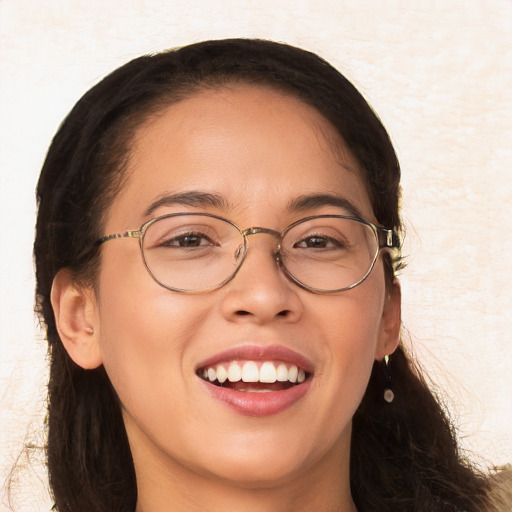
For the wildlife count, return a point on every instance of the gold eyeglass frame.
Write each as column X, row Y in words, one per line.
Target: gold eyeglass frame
column 387, row 239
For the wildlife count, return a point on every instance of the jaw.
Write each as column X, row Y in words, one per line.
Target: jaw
column 268, row 483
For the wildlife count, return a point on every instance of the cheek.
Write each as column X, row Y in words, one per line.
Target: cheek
column 350, row 327
column 351, row 321
column 144, row 330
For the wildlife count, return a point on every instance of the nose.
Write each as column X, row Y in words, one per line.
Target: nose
column 260, row 292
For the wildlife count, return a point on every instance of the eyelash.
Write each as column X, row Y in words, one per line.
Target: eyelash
column 192, row 234
column 336, row 243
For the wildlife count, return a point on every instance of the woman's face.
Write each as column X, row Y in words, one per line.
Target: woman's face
column 257, row 152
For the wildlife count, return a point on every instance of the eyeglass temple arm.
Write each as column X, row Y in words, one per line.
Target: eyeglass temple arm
column 388, row 239
column 129, row 233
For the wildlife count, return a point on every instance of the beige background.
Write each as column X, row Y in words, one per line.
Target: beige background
column 439, row 74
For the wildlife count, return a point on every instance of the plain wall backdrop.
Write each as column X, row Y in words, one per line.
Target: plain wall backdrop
column 438, row 73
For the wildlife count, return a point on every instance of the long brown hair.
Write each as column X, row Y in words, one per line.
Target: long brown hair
column 404, row 455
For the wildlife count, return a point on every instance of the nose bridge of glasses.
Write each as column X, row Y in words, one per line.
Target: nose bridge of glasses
column 266, row 231
column 257, row 230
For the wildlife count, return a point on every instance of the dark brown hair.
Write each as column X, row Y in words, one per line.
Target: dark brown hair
column 404, row 455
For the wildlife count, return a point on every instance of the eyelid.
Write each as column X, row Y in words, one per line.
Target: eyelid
column 160, row 236
column 318, row 231
column 334, row 241
column 177, row 238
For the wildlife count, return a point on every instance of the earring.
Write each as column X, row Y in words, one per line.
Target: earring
column 389, row 396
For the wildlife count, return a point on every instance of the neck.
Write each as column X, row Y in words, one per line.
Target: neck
column 218, row 496
column 163, row 487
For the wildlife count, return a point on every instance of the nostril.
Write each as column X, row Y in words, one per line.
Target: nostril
column 284, row 312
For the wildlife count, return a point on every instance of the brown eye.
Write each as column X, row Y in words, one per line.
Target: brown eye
column 318, row 242
column 188, row 240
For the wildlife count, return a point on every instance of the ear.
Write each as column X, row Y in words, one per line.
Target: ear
column 391, row 321
column 77, row 319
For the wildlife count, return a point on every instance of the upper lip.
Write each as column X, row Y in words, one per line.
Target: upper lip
column 259, row 353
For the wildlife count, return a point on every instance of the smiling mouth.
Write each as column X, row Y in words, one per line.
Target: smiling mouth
column 254, row 376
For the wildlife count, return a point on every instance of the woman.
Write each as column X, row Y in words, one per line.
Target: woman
column 243, row 352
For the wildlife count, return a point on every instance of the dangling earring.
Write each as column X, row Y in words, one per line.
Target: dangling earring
column 389, row 396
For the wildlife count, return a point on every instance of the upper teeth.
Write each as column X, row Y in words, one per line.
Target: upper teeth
column 267, row 372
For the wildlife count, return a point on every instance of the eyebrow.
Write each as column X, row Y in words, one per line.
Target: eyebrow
column 202, row 199
column 308, row 202
column 190, row 198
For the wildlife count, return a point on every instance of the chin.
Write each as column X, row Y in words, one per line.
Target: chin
column 267, row 474
column 271, row 459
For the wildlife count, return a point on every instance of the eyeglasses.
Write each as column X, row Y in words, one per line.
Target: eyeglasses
column 199, row 252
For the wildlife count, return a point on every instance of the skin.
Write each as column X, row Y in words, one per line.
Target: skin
column 259, row 150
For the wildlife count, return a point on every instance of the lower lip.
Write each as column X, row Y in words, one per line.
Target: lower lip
column 258, row 404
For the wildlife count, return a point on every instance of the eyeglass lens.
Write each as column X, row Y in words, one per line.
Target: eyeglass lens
column 201, row 252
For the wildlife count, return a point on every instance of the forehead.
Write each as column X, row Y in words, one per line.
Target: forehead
column 254, row 146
